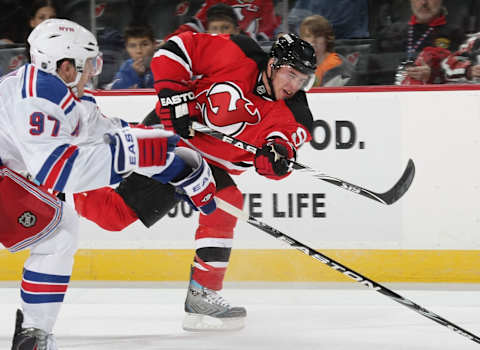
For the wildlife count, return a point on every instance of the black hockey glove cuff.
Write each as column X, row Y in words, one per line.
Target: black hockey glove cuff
column 176, row 110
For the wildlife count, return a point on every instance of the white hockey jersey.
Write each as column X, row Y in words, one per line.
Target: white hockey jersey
column 49, row 134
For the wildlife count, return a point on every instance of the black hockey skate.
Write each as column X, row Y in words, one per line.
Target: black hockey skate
column 31, row 338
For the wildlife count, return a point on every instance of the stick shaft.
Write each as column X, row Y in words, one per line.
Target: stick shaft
column 389, row 197
column 230, row 209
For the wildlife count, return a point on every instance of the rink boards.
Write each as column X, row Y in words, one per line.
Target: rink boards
column 364, row 136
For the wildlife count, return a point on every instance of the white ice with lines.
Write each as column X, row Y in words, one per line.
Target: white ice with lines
column 148, row 316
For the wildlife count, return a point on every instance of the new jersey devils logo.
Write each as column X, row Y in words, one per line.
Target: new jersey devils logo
column 225, row 108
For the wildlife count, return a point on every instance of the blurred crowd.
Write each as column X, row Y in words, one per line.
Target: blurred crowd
column 357, row 42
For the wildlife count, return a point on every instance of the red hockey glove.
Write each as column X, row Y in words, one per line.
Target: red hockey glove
column 176, row 110
column 271, row 160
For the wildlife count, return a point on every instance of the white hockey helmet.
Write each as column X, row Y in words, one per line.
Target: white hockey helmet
column 56, row 39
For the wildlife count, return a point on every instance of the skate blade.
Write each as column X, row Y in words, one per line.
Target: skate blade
column 204, row 323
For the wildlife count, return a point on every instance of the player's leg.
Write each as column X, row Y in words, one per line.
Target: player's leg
column 46, row 275
column 137, row 197
column 205, row 308
column 104, row 207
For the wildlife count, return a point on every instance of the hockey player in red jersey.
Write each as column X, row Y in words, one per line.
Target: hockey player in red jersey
column 244, row 93
column 255, row 17
column 51, row 133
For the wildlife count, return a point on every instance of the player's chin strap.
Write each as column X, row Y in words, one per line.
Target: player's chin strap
column 270, row 81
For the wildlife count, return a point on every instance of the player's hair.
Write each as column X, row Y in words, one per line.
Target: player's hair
column 222, row 12
column 139, row 31
column 318, row 26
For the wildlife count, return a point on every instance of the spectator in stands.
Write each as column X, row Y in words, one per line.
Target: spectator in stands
column 221, row 19
column 332, row 68
column 422, row 43
column 349, row 18
column 463, row 66
column 135, row 73
column 40, row 11
column 256, row 18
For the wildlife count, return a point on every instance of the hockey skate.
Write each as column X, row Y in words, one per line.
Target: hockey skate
column 206, row 310
column 31, row 338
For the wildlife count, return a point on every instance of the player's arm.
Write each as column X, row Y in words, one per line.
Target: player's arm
column 150, row 198
column 57, row 159
column 98, row 124
column 172, row 72
column 282, row 137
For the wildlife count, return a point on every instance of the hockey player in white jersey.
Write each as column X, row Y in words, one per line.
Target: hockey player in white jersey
column 52, row 141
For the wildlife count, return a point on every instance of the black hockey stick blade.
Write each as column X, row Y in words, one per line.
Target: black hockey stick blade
column 357, row 277
column 389, row 197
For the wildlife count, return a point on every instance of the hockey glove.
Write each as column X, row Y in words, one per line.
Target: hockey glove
column 271, row 160
column 140, row 149
column 195, row 183
column 175, row 111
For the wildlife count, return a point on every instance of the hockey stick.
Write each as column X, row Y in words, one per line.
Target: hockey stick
column 230, row 209
column 388, row 197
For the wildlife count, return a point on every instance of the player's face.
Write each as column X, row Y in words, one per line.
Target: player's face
column 85, row 77
column 221, row 27
column 287, row 81
column 93, row 67
column 426, row 10
column 140, row 48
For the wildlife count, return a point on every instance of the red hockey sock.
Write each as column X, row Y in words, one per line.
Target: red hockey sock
column 213, row 241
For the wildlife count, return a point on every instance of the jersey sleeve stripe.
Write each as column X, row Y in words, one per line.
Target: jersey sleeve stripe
column 279, row 134
column 24, row 90
column 64, row 104
column 88, row 98
column 61, row 171
column 175, row 58
column 28, row 81
column 56, row 169
column 31, row 81
column 182, row 48
column 70, row 108
column 67, row 103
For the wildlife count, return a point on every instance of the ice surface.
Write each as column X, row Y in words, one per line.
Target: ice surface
column 134, row 316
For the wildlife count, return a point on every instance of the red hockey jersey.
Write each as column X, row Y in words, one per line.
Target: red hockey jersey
column 224, row 73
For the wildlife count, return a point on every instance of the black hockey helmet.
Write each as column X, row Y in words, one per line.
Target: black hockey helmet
column 290, row 50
